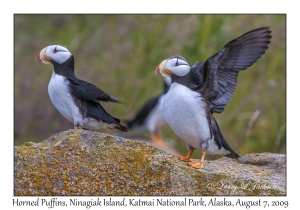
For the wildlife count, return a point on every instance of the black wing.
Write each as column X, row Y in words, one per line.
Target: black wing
column 219, row 139
column 88, row 92
column 95, row 110
column 143, row 113
column 218, row 74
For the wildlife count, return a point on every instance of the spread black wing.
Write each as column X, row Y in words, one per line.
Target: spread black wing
column 217, row 76
column 88, row 92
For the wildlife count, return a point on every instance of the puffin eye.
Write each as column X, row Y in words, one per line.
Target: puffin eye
column 55, row 50
column 176, row 64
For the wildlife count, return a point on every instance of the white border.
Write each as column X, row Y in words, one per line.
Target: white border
column 217, row 6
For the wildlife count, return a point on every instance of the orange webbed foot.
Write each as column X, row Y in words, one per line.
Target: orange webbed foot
column 200, row 163
column 160, row 142
column 156, row 138
column 196, row 165
column 185, row 159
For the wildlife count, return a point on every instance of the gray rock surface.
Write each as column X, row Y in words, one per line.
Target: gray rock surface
column 81, row 162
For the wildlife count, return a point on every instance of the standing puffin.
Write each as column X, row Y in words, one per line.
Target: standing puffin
column 205, row 88
column 75, row 99
column 151, row 117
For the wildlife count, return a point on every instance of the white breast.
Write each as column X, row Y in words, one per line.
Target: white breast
column 156, row 117
column 61, row 98
column 184, row 111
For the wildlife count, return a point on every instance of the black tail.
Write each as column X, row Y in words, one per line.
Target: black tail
column 95, row 110
column 114, row 99
column 232, row 153
column 220, row 139
column 121, row 127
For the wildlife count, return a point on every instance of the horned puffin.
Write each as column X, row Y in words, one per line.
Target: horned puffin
column 205, row 88
column 75, row 99
column 150, row 117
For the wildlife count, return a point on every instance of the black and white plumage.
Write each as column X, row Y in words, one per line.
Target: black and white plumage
column 75, row 99
column 150, row 117
column 205, row 88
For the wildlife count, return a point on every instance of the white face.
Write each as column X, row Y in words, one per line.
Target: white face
column 174, row 65
column 57, row 53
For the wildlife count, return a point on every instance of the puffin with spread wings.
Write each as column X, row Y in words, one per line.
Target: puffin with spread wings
column 205, row 88
column 76, row 99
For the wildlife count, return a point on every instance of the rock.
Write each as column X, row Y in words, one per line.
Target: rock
column 81, row 162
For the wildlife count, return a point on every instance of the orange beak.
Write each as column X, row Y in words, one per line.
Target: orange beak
column 37, row 58
column 41, row 57
column 157, row 70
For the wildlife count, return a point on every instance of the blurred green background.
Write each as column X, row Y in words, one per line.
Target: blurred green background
column 119, row 54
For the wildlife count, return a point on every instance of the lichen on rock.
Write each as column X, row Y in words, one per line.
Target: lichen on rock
column 81, row 162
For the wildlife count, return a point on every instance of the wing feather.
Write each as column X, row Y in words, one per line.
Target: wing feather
column 88, row 92
column 219, row 73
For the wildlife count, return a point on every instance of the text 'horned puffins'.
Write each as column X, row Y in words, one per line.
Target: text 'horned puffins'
column 151, row 117
column 75, row 99
column 205, row 88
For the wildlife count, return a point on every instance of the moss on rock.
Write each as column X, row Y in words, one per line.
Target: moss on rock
column 81, row 162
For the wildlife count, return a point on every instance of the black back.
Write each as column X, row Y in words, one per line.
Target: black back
column 87, row 96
